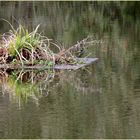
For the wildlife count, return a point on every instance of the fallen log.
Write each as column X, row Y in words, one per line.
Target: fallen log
column 81, row 62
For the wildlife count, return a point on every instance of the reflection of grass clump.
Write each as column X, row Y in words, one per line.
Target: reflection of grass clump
column 22, row 91
column 25, row 85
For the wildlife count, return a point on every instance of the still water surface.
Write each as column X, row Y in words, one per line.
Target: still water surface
column 100, row 101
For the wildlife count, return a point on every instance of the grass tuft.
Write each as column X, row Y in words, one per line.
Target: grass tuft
column 25, row 46
column 19, row 46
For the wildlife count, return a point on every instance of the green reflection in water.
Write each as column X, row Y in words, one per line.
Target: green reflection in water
column 24, row 84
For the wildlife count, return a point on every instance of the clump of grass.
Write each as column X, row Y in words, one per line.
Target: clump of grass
column 19, row 46
column 25, row 46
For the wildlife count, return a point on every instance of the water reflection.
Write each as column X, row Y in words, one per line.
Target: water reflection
column 24, row 84
column 26, row 93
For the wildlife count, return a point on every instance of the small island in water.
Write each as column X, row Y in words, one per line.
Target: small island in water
column 20, row 48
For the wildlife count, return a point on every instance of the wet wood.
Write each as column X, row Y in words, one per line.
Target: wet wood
column 81, row 62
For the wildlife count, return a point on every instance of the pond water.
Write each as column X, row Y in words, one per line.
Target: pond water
column 99, row 101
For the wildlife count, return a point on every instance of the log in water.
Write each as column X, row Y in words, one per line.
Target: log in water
column 81, row 62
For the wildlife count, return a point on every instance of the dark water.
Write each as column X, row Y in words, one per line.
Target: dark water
column 101, row 101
